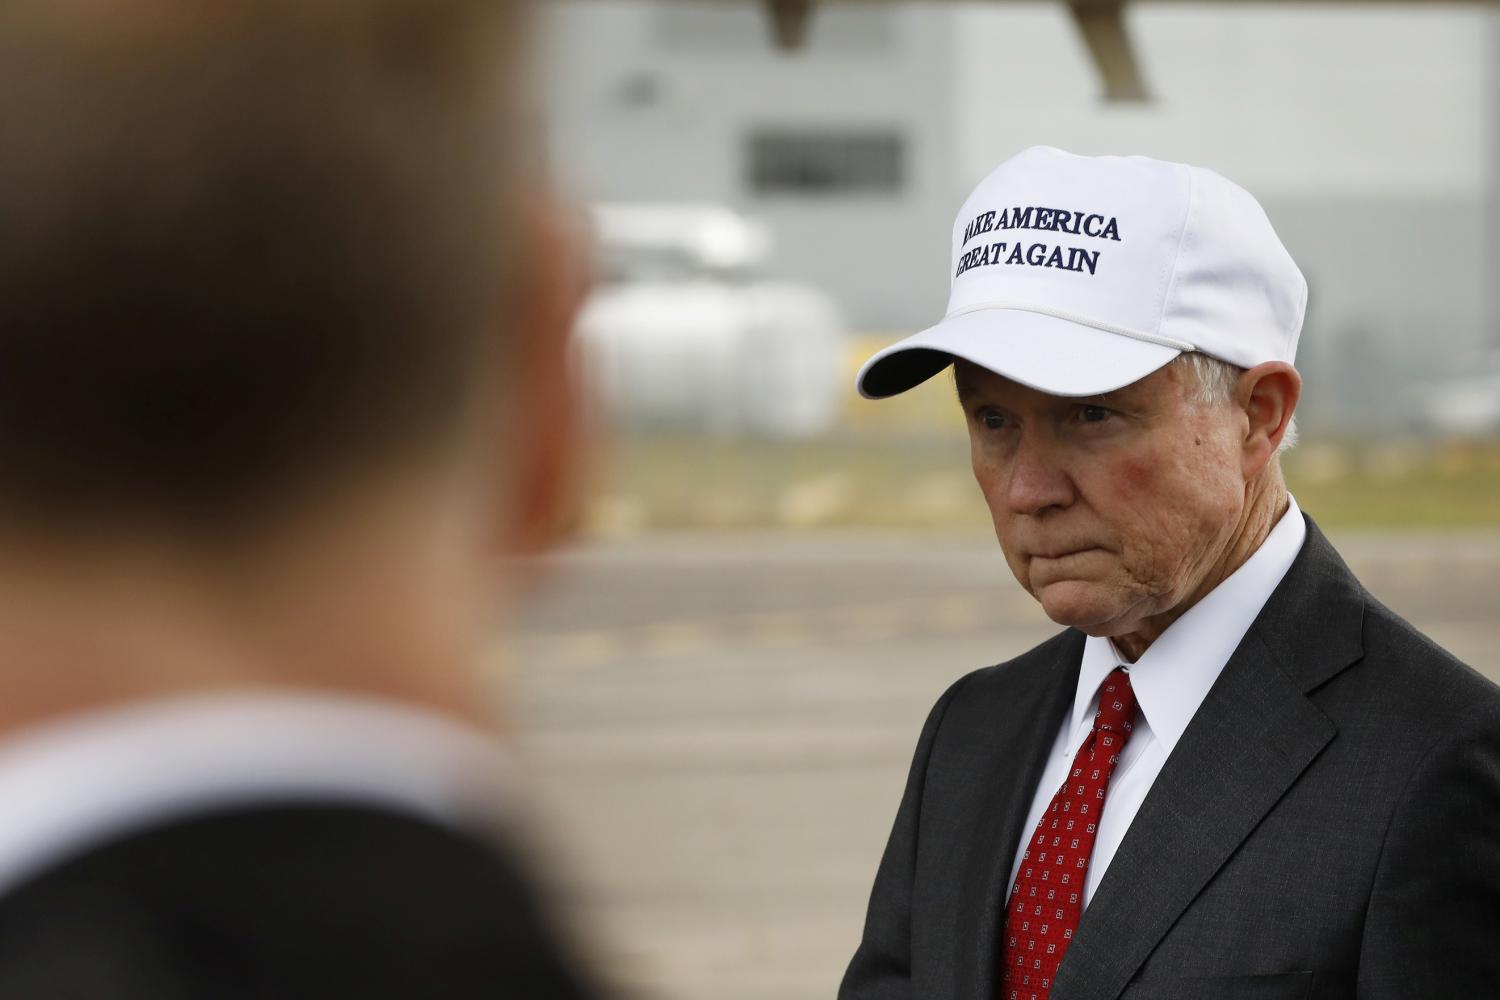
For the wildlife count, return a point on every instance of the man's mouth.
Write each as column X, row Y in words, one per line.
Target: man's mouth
column 1064, row 553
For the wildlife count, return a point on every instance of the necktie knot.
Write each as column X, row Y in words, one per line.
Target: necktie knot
column 1116, row 704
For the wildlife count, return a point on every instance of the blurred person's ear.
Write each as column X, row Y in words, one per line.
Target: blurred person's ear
column 548, row 432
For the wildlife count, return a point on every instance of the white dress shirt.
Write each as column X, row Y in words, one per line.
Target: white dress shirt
column 74, row 784
column 1170, row 681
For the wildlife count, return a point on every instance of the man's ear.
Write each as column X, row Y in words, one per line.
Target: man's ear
column 1268, row 393
column 547, row 434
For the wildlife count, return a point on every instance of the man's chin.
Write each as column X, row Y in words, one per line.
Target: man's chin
column 1081, row 605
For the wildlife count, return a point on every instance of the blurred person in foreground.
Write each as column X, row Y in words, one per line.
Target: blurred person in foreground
column 1234, row 774
column 282, row 384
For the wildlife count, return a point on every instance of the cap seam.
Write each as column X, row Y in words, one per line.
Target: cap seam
column 1072, row 317
column 1187, row 216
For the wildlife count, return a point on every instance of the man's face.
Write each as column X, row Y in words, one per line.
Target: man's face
column 1114, row 509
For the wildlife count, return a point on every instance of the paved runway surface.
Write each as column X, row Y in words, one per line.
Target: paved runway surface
column 718, row 729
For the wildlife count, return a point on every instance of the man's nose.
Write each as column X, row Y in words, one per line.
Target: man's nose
column 1038, row 478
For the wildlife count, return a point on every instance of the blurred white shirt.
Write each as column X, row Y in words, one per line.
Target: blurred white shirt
column 77, row 783
column 1170, row 681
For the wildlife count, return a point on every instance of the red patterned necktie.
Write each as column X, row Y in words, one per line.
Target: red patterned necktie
column 1047, row 899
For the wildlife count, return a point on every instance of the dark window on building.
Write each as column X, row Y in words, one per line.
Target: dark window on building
column 782, row 162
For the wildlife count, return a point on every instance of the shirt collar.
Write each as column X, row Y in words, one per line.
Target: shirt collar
column 71, row 784
column 1173, row 676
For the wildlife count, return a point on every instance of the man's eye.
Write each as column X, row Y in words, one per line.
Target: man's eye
column 1093, row 414
column 992, row 420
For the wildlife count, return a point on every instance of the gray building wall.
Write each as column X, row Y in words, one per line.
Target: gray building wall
column 1369, row 134
column 1492, row 188
column 655, row 101
column 1397, row 296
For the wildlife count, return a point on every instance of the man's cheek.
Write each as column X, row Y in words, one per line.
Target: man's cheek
column 1135, row 478
column 1019, row 565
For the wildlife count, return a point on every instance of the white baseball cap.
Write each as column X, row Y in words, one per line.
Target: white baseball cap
column 1076, row 275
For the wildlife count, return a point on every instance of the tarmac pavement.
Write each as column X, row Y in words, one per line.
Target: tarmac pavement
column 717, row 729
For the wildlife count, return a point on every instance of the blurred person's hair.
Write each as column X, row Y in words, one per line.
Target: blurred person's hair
column 246, row 248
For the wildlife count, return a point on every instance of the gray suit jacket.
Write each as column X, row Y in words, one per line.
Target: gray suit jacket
column 1328, row 825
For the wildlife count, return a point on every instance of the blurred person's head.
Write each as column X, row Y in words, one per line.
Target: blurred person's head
column 283, row 379
column 1122, row 331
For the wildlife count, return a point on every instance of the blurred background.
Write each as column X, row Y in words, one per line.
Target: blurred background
column 721, row 681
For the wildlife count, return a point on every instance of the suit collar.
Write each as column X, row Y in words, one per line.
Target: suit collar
column 1313, row 625
column 1008, row 766
column 1253, row 736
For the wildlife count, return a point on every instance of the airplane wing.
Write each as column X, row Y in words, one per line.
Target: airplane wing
column 1101, row 24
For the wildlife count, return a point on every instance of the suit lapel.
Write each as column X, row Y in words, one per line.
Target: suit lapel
column 1011, row 759
column 1250, row 740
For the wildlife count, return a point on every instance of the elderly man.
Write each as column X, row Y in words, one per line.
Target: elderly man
column 283, row 387
column 1234, row 774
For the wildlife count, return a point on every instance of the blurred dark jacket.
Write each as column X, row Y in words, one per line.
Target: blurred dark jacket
column 214, row 850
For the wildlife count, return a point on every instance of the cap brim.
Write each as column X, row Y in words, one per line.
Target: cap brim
column 1049, row 354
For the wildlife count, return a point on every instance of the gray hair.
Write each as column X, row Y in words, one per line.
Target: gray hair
column 1215, row 386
